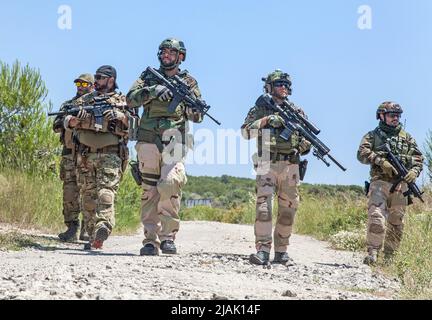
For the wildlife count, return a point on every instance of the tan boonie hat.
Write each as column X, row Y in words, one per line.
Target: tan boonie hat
column 87, row 77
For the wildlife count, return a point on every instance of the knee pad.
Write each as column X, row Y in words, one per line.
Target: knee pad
column 106, row 197
column 264, row 209
column 286, row 216
column 376, row 228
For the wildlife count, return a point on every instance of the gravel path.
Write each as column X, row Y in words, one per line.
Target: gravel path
column 212, row 264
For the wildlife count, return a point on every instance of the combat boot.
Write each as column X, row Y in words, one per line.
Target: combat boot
column 283, row 258
column 371, row 258
column 83, row 233
column 260, row 258
column 101, row 235
column 71, row 234
column 149, row 250
column 168, row 247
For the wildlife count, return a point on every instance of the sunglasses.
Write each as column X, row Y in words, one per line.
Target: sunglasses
column 82, row 84
column 282, row 84
column 394, row 115
column 99, row 77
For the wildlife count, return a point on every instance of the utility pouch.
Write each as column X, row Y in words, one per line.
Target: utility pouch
column 302, row 169
column 136, row 174
column 133, row 127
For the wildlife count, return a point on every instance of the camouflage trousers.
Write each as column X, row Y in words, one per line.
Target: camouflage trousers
column 71, row 192
column 99, row 176
column 161, row 197
column 385, row 215
column 283, row 180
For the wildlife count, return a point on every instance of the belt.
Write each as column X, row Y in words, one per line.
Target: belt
column 109, row 149
column 293, row 158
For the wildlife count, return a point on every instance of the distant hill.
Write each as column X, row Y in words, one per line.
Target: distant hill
column 229, row 192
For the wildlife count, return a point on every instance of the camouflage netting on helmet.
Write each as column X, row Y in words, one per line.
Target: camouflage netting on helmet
column 277, row 75
column 388, row 107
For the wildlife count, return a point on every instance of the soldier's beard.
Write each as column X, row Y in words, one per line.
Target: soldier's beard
column 169, row 65
column 282, row 96
column 102, row 88
column 80, row 93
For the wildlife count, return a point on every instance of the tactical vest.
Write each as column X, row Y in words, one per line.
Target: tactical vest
column 156, row 118
column 277, row 144
column 111, row 133
column 399, row 145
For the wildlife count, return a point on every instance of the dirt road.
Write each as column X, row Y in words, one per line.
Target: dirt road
column 212, row 263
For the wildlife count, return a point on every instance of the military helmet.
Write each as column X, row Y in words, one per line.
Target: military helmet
column 277, row 75
column 172, row 43
column 388, row 107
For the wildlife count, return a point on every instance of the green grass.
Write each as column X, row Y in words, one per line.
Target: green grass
column 413, row 263
column 31, row 201
column 16, row 241
column 240, row 215
column 127, row 207
column 324, row 216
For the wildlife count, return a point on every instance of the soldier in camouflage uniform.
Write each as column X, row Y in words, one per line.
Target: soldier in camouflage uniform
column 101, row 155
column 282, row 176
column 162, row 181
column 71, row 197
column 386, row 210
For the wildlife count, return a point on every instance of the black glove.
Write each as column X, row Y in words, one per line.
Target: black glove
column 82, row 114
column 111, row 115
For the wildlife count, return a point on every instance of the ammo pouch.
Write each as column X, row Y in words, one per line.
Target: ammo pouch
column 136, row 174
column 302, row 169
column 276, row 156
column 133, row 127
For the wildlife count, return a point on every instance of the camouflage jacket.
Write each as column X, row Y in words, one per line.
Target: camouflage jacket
column 65, row 136
column 156, row 118
column 112, row 132
column 402, row 145
column 253, row 127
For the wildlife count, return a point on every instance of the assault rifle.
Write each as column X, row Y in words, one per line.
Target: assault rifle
column 182, row 92
column 97, row 109
column 294, row 121
column 402, row 171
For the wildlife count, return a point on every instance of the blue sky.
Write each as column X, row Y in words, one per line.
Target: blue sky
column 340, row 73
